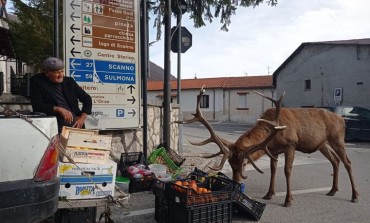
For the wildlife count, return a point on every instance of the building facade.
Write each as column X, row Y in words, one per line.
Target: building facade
column 226, row 98
column 326, row 74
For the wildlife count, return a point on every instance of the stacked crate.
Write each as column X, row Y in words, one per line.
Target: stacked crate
column 86, row 172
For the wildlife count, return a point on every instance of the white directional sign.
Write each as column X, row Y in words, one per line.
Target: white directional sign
column 101, row 55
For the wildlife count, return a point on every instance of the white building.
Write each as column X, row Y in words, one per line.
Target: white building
column 225, row 99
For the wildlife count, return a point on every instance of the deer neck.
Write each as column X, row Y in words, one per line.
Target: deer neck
column 254, row 137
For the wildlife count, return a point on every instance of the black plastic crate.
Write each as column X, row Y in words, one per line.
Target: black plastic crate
column 236, row 185
column 186, row 196
column 176, row 158
column 161, row 188
column 220, row 212
column 129, row 159
column 141, row 184
column 243, row 204
column 136, row 184
column 72, row 215
column 161, row 210
column 198, row 174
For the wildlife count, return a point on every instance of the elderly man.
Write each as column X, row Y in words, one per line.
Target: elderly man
column 54, row 94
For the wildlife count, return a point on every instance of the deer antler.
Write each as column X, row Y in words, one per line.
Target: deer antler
column 223, row 144
column 277, row 127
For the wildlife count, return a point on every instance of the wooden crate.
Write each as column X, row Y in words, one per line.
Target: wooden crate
column 86, row 147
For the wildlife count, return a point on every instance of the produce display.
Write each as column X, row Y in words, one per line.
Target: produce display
column 139, row 171
column 191, row 192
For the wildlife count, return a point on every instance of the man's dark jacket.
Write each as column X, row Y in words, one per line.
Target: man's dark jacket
column 43, row 96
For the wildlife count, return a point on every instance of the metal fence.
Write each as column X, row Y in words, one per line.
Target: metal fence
column 1, row 83
column 20, row 85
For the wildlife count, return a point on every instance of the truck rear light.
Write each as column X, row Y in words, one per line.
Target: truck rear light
column 47, row 168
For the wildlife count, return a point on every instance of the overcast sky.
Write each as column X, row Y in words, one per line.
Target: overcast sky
column 260, row 39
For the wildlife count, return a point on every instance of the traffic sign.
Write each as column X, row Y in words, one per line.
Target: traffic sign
column 102, row 55
column 186, row 39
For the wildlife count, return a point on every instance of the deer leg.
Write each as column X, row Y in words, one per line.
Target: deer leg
column 341, row 152
column 334, row 160
column 289, row 157
column 273, row 166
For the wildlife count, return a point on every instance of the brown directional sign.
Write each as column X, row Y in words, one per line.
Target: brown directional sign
column 114, row 34
column 101, row 54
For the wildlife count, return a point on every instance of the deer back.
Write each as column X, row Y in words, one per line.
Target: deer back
column 306, row 128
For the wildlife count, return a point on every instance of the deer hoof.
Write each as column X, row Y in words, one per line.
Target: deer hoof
column 268, row 196
column 354, row 200
column 287, row 204
column 331, row 192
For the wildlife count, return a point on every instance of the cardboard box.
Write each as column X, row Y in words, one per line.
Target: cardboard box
column 79, row 155
column 87, row 181
column 86, row 147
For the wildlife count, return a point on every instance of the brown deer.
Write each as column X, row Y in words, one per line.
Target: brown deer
column 282, row 130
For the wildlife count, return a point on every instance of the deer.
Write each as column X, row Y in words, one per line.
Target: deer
column 281, row 131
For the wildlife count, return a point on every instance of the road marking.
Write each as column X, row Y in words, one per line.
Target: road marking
column 305, row 191
column 264, row 162
column 140, row 212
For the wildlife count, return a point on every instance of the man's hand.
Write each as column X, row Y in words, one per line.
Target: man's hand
column 80, row 121
column 67, row 115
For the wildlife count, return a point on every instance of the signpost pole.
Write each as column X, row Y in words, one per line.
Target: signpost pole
column 56, row 29
column 167, row 73
column 144, row 71
column 179, row 16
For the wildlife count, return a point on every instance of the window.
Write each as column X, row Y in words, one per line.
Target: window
column 307, row 84
column 242, row 101
column 204, row 101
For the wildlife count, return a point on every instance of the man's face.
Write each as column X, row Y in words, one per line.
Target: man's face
column 55, row 76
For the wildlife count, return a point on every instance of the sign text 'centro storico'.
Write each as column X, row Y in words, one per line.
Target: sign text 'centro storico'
column 101, row 54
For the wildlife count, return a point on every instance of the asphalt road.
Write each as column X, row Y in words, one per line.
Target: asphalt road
column 311, row 180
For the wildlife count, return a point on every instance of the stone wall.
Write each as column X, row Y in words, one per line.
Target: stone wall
column 126, row 140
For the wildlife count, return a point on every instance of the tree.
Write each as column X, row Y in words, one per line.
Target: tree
column 205, row 10
column 32, row 33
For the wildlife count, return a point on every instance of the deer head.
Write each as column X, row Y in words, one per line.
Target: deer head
column 250, row 144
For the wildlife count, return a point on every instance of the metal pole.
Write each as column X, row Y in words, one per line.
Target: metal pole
column 167, row 73
column 56, row 29
column 179, row 15
column 144, row 71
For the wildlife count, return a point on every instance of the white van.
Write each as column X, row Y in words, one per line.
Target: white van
column 29, row 188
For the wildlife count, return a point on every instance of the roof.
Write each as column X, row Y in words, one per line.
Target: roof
column 250, row 82
column 351, row 42
column 157, row 72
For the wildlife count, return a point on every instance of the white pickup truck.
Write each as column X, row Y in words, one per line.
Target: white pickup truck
column 29, row 187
